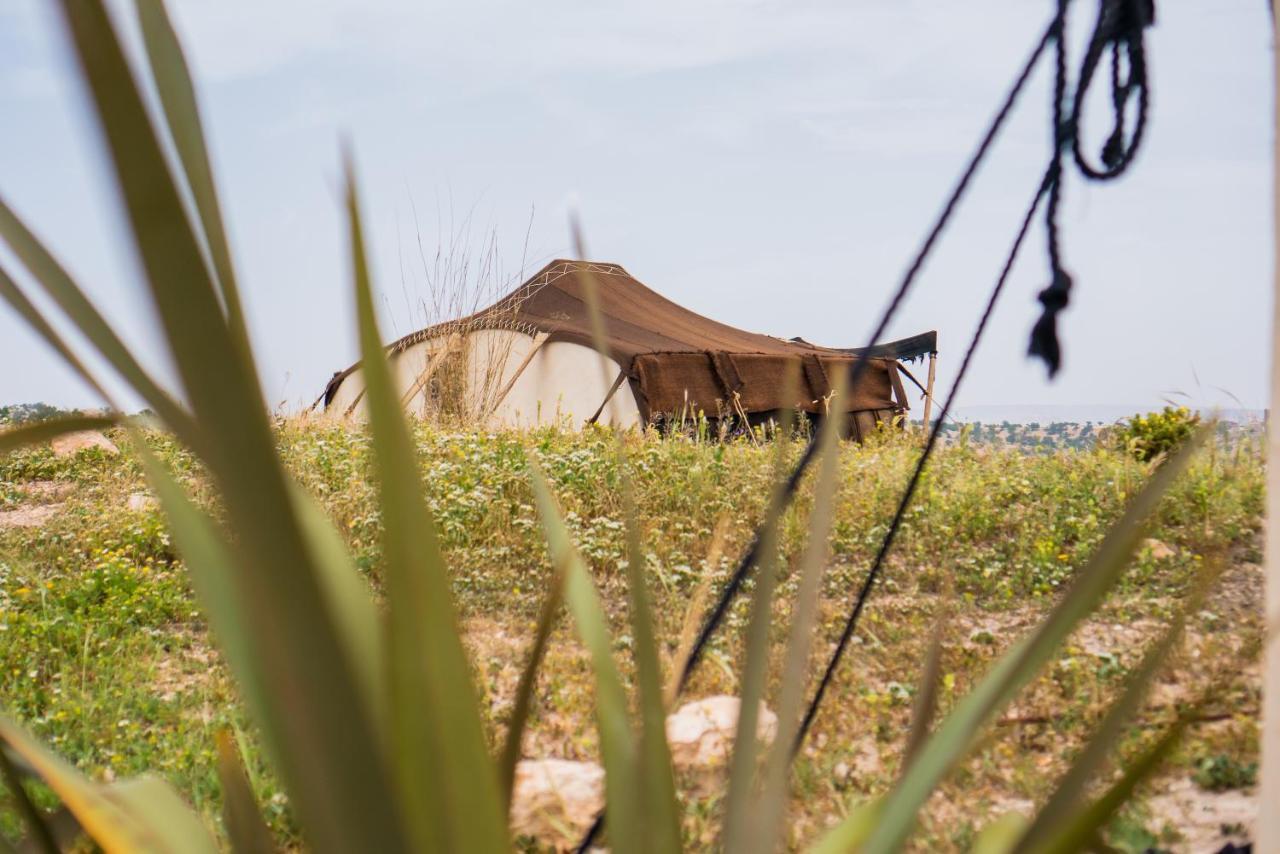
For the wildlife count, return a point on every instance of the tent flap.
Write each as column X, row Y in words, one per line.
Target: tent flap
column 673, row 381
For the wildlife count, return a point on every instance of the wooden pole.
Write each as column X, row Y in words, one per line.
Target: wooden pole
column 608, row 396
column 434, row 361
column 928, row 391
column 538, row 341
column 1268, row 829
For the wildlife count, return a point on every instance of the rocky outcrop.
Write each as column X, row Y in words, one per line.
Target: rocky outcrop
column 71, row 444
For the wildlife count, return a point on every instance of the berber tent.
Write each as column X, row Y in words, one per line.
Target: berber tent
column 529, row 360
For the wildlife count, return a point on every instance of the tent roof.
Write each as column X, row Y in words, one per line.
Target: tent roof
column 637, row 319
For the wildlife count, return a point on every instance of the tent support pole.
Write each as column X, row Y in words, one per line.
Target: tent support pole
column 433, row 364
column 1268, row 829
column 613, row 389
column 928, row 391
column 538, row 341
column 354, row 404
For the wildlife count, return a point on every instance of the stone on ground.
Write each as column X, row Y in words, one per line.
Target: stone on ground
column 1157, row 549
column 28, row 517
column 701, row 732
column 73, row 443
column 556, row 800
column 140, row 502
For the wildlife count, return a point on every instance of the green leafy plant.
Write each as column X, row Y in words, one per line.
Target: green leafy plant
column 369, row 715
column 1222, row 772
column 1156, row 434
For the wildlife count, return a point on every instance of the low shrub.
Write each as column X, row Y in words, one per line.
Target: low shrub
column 1156, row 434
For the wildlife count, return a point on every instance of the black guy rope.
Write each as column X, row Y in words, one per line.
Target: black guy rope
column 895, row 524
column 1117, row 155
column 751, row 555
column 784, row 496
column 1120, row 27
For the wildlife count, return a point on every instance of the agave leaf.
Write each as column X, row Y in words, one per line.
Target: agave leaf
column 926, row 705
column 139, row 815
column 317, row 728
column 695, row 611
column 181, row 284
column 182, row 114
column 211, row 567
column 1001, row 835
column 657, row 778
column 524, row 689
column 63, row 826
column 447, row 781
column 245, row 826
column 771, row 805
column 1063, row 803
column 740, row 820
column 40, row 834
column 348, row 596
column 170, row 823
column 52, row 428
column 58, row 284
column 617, row 742
column 13, row 295
column 269, row 692
column 953, row 738
column 1076, row 834
column 854, row 830
column 656, row 783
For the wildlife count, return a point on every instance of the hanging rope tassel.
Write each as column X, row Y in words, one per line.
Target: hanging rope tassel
column 1044, row 335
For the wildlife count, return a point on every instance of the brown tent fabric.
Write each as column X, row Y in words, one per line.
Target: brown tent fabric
column 673, row 357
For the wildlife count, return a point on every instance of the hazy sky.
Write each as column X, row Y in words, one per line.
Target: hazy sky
column 770, row 164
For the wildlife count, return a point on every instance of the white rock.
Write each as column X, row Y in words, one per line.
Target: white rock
column 556, row 800
column 28, row 517
column 72, row 443
column 1158, row 550
column 701, row 733
column 140, row 502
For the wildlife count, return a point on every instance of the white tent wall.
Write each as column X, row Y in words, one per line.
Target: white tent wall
column 562, row 382
column 556, row 383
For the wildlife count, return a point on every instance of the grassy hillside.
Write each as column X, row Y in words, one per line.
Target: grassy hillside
column 104, row 655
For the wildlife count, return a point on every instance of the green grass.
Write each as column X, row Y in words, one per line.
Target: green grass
column 104, row 655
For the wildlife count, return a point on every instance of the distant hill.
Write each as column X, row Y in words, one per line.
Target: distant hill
column 22, row 413
column 1049, row 436
column 1082, row 413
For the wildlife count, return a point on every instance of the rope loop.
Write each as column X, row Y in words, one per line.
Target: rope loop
column 1119, row 30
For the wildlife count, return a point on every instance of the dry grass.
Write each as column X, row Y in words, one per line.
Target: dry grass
column 451, row 292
